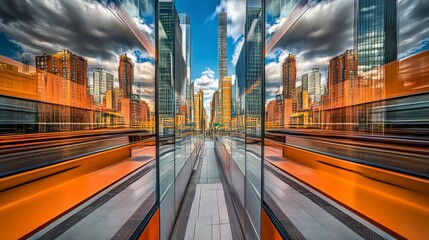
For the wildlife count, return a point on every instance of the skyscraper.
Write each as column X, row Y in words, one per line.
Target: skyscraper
column 289, row 76
column 68, row 66
column 222, row 56
column 226, row 103
column 64, row 64
column 198, row 110
column 376, row 33
column 126, row 75
column 342, row 73
column 222, row 47
column 214, row 106
column 253, row 69
column 311, row 83
column 185, row 26
column 172, row 67
column 102, row 82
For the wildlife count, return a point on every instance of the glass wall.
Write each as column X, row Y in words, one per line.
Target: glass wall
column 78, row 78
column 180, row 138
column 350, row 70
column 238, row 137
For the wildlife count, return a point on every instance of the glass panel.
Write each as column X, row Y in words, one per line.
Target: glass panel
column 78, row 78
column 341, row 77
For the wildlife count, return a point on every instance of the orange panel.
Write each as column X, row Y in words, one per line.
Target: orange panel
column 396, row 202
column 152, row 229
column 268, row 231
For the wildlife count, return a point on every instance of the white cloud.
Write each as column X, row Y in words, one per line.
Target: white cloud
column 209, row 84
column 271, row 29
column 238, row 47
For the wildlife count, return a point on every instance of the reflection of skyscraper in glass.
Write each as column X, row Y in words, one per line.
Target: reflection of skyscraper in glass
column 103, row 81
column 185, row 26
column 126, row 75
column 71, row 67
column 253, row 69
column 289, row 76
column 342, row 74
column 376, row 32
column 311, row 83
column 172, row 67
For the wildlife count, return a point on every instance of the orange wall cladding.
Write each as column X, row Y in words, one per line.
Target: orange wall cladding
column 268, row 230
column 152, row 229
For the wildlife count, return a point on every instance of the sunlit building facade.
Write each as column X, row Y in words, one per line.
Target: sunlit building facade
column 226, row 103
column 126, row 75
column 289, row 76
column 102, row 82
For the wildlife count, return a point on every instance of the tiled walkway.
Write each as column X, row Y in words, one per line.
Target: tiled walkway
column 207, row 211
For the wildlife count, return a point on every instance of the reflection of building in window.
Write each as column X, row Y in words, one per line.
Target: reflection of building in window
column 126, row 75
column 102, row 83
column 376, row 33
column 70, row 66
column 311, row 82
column 289, row 76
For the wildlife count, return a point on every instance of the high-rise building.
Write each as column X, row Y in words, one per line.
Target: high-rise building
column 253, row 69
column 342, row 73
column 199, row 110
column 185, row 26
column 289, row 76
column 226, row 103
column 311, row 83
column 64, row 64
column 214, row 108
column 222, row 47
column 126, row 75
column 102, row 82
column 376, row 33
column 222, row 56
column 68, row 66
column 191, row 105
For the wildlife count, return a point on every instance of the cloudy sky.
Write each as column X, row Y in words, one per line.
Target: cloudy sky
column 327, row 29
column 91, row 30
column 88, row 29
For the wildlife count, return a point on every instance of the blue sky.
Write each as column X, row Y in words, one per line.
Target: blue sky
column 204, row 36
column 204, row 24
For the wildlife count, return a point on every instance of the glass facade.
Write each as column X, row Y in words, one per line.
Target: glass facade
column 318, row 119
column 336, row 70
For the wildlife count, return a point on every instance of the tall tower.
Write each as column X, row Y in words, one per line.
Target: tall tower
column 126, row 75
column 185, row 26
column 221, row 46
column 222, row 58
column 289, row 76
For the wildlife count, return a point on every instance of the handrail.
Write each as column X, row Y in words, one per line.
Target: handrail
column 20, row 158
column 408, row 156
